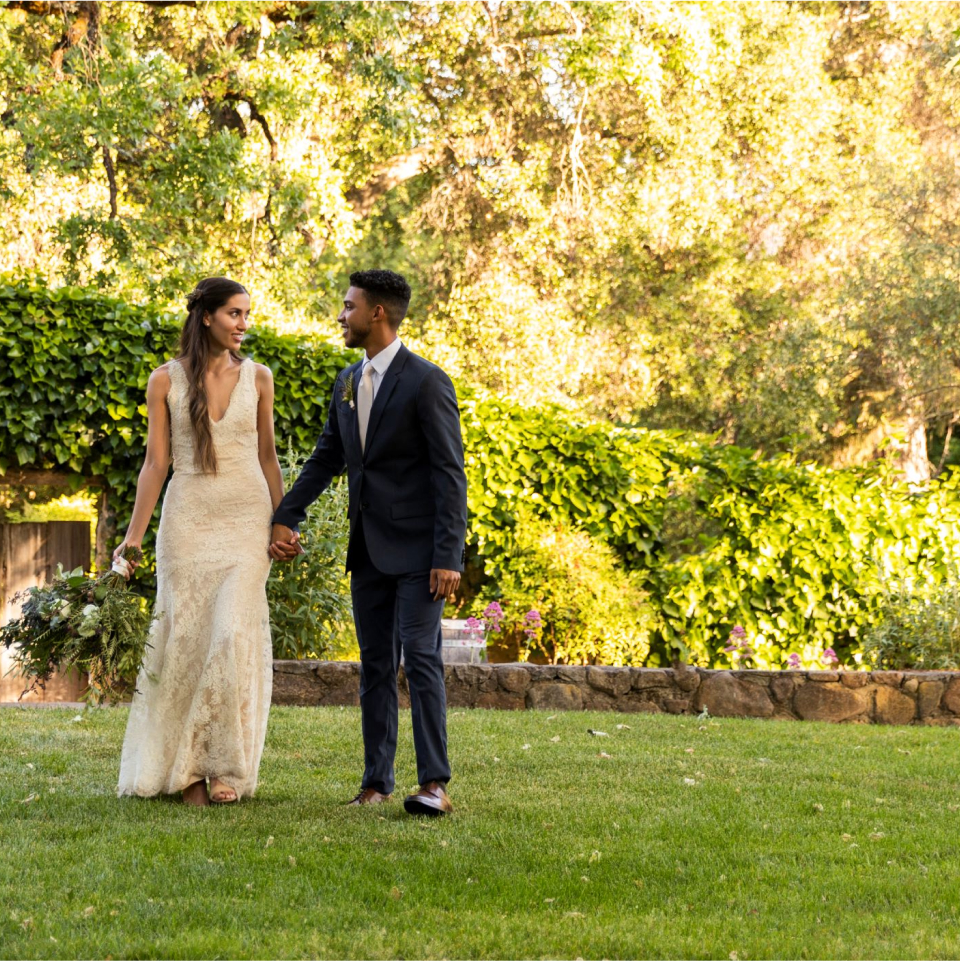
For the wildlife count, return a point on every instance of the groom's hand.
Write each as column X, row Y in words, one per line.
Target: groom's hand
column 284, row 543
column 443, row 583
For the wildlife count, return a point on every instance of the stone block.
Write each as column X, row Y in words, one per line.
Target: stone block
column 645, row 678
column 460, row 695
column 572, row 674
column 854, row 679
column 513, row 678
column 829, row 702
column 824, row 676
column 887, row 678
column 928, row 697
column 782, row 688
column 894, row 707
column 501, row 701
column 676, row 705
column 724, row 695
column 295, row 667
column 611, row 680
column 910, row 685
column 542, row 672
column 598, row 701
column 341, row 680
column 555, row 697
column 469, row 675
column 301, row 689
column 951, row 697
column 686, row 678
column 941, row 721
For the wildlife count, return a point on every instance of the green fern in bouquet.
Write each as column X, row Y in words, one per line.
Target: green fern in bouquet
column 96, row 625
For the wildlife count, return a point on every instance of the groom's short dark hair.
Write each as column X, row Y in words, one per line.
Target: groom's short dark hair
column 386, row 288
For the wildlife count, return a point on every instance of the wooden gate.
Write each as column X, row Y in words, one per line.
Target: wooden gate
column 29, row 554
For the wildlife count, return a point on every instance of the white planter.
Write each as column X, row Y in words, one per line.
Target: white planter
column 461, row 646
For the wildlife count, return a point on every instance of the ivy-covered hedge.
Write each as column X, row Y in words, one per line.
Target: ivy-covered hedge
column 789, row 552
column 793, row 553
column 74, row 377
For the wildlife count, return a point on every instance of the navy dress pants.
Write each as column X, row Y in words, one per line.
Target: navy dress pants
column 394, row 613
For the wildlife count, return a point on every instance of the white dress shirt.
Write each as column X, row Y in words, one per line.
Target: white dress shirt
column 381, row 363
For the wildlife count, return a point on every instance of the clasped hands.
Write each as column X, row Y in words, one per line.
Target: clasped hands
column 285, row 546
column 284, row 543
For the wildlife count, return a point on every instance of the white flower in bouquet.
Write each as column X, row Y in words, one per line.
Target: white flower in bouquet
column 91, row 621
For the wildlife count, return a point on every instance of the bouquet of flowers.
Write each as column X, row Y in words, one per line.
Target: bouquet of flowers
column 97, row 625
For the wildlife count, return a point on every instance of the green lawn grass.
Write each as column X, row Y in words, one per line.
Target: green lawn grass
column 701, row 839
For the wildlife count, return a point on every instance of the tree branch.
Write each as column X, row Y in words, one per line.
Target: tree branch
column 933, row 390
column 390, row 175
column 946, row 446
column 40, row 9
column 256, row 116
column 262, row 120
column 234, row 34
column 112, row 181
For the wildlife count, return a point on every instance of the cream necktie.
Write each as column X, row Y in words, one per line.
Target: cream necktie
column 364, row 403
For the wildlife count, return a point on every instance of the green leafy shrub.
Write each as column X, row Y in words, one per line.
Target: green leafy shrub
column 721, row 536
column 917, row 626
column 309, row 597
column 74, row 378
column 566, row 598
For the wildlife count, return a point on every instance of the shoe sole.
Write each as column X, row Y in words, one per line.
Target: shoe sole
column 417, row 806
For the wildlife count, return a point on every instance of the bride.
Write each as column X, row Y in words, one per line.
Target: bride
column 200, row 710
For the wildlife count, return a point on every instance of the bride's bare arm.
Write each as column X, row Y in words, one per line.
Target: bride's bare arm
column 156, row 464
column 266, row 442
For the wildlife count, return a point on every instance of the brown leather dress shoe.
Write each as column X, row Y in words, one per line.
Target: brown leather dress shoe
column 430, row 800
column 368, row 796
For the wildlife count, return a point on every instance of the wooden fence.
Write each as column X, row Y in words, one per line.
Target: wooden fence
column 29, row 554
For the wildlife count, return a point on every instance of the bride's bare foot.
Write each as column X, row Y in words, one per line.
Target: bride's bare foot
column 196, row 795
column 221, row 793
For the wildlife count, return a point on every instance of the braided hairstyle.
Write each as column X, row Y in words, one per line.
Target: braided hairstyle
column 204, row 299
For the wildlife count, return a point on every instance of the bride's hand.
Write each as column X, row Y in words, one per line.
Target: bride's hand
column 118, row 555
column 284, row 543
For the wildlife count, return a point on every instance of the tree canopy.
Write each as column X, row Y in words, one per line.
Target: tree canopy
column 735, row 217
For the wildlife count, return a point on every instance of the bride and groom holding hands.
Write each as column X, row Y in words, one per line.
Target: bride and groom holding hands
column 198, row 719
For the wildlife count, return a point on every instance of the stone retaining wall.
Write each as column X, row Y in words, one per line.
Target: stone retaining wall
column 861, row 697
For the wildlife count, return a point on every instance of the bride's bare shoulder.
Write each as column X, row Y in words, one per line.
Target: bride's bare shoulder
column 159, row 379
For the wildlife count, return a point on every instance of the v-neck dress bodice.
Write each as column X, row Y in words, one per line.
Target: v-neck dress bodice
column 203, row 694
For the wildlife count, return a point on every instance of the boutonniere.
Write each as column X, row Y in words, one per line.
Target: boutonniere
column 347, row 394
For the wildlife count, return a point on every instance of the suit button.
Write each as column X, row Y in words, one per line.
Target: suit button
column 364, row 505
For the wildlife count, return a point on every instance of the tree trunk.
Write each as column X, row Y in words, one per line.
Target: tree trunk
column 902, row 440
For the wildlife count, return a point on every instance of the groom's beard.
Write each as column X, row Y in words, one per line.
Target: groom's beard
column 355, row 338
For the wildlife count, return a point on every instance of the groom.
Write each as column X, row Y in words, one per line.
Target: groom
column 394, row 425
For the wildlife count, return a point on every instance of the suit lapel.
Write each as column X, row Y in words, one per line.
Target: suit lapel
column 383, row 395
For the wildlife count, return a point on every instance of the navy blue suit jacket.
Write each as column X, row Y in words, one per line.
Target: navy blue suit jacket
column 409, row 484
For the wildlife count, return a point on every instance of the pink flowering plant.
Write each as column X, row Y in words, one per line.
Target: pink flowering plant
column 813, row 658
column 739, row 649
column 829, row 659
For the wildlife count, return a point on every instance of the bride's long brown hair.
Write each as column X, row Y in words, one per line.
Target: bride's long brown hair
column 206, row 297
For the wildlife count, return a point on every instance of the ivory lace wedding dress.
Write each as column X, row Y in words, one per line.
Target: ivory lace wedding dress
column 203, row 693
